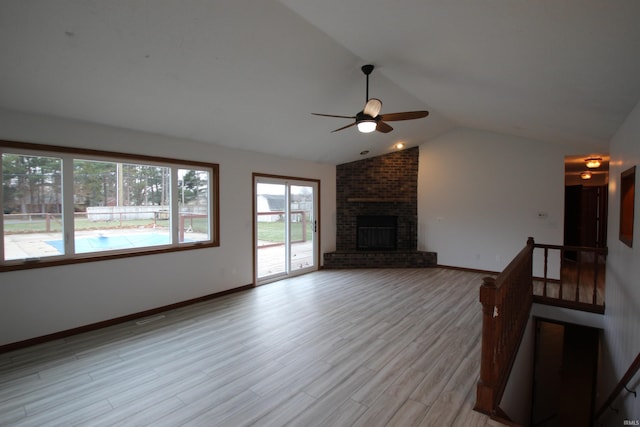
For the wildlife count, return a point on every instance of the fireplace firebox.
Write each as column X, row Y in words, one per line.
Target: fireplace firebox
column 377, row 232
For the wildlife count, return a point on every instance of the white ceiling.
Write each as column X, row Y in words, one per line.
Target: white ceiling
column 248, row 73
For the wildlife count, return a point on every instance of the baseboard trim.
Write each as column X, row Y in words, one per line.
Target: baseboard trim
column 105, row 323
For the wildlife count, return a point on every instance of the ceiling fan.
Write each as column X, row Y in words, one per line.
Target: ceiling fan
column 370, row 119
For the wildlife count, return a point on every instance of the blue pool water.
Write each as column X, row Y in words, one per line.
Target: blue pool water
column 102, row 243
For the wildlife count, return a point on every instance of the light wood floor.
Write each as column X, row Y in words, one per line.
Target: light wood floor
column 377, row 347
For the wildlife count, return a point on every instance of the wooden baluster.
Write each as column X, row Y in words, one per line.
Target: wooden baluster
column 594, row 300
column 561, row 272
column 578, row 274
column 485, row 392
column 572, row 274
column 546, row 269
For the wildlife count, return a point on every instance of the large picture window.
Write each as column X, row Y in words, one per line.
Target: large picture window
column 62, row 205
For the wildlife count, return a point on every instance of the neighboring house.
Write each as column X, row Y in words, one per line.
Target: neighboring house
column 270, row 203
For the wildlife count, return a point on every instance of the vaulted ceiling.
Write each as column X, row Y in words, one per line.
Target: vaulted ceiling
column 248, row 73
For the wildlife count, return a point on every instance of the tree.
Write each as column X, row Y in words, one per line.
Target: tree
column 189, row 186
column 31, row 182
column 94, row 182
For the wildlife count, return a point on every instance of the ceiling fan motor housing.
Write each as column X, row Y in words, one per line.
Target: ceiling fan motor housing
column 360, row 117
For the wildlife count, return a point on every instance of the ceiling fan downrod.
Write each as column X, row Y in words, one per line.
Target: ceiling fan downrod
column 367, row 69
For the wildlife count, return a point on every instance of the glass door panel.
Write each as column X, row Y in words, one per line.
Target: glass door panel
column 271, row 230
column 302, row 226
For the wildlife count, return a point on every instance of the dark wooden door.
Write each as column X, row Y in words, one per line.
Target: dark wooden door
column 585, row 216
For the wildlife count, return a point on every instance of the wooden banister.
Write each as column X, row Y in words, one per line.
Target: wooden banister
column 585, row 274
column 506, row 304
column 633, row 368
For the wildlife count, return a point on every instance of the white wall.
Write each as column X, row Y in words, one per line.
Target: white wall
column 479, row 195
column 567, row 315
column 42, row 301
column 622, row 316
column 518, row 393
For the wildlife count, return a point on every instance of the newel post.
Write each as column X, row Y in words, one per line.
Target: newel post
column 486, row 388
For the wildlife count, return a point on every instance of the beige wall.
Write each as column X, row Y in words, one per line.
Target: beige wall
column 480, row 195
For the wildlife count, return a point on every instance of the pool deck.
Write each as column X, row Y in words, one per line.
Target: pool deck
column 270, row 258
column 34, row 245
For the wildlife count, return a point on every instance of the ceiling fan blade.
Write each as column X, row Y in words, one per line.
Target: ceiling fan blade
column 344, row 127
column 331, row 115
column 372, row 107
column 383, row 127
column 408, row 115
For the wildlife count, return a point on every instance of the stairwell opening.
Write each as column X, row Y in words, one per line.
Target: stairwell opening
column 565, row 372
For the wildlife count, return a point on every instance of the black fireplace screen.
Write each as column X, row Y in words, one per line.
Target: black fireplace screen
column 377, row 232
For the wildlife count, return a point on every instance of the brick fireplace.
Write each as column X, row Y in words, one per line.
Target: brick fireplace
column 377, row 213
column 377, row 232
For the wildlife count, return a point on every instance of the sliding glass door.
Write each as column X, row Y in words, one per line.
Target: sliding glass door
column 285, row 227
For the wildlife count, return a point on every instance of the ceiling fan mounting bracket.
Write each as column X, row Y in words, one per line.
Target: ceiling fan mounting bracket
column 367, row 69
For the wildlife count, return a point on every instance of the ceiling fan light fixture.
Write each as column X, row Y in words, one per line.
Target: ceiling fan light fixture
column 593, row 162
column 367, row 126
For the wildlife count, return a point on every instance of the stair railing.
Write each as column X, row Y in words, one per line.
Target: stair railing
column 587, row 275
column 506, row 304
column 622, row 384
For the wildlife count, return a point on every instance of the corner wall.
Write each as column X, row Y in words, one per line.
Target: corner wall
column 622, row 317
column 480, row 195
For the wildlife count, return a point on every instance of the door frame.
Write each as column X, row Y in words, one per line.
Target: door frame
column 296, row 180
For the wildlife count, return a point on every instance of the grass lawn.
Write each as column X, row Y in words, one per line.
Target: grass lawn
column 38, row 225
column 274, row 231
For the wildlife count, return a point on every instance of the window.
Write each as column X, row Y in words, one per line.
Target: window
column 62, row 205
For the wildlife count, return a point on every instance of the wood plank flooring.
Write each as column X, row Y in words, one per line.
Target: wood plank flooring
column 374, row 347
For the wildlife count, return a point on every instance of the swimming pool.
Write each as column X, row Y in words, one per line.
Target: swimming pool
column 108, row 243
